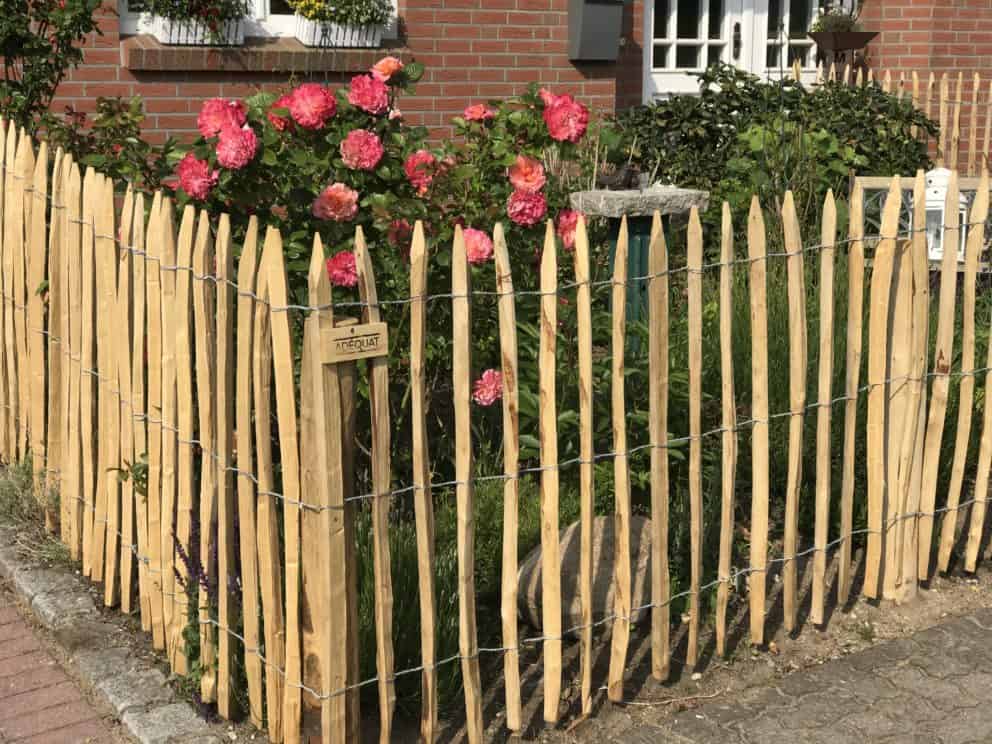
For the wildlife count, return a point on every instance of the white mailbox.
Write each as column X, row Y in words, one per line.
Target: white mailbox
column 937, row 181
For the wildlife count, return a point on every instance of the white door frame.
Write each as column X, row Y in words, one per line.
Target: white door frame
column 752, row 15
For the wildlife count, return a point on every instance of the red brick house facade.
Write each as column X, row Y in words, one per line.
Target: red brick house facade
column 479, row 49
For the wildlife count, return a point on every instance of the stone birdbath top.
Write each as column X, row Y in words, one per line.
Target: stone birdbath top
column 668, row 200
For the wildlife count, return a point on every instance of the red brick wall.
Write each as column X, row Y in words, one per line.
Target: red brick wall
column 936, row 36
column 473, row 50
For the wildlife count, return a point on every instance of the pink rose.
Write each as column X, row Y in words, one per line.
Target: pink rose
column 385, row 68
column 488, row 388
column 311, row 105
column 478, row 112
column 195, row 177
column 361, row 150
column 547, row 96
column 341, row 269
column 419, row 168
column 336, row 202
column 566, row 119
column 399, row 233
column 526, row 208
column 369, row 94
column 565, row 225
column 282, row 123
column 218, row 113
column 478, row 246
column 236, row 147
column 527, row 174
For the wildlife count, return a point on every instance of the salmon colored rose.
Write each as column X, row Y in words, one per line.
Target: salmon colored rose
column 195, row 176
column 218, row 113
column 236, row 147
column 311, row 105
column 369, row 94
column 478, row 112
column 488, row 388
column 361, row 150
column 478, row 246
column 527, row 174
column 282, row 123
column 336, row 202
column 419, row 168
column 565, row 226
column 385, row 68
column 526, row 208
column 566, row 119
column 341, row 269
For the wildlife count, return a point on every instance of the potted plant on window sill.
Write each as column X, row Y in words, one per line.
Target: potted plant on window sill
column 837, row 30
column 199, row 22
column 341, row 23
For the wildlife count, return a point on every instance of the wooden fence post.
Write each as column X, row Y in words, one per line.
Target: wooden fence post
column 461, row 369
column 511, row 463
column 757, row 581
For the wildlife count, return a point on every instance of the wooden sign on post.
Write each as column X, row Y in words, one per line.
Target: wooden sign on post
column 348, row 343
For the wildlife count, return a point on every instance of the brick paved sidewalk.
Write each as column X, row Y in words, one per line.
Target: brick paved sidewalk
column 39, row 704
column 934, row 686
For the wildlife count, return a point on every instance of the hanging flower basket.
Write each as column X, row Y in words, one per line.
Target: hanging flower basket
column 325, row 34
column 186, row 32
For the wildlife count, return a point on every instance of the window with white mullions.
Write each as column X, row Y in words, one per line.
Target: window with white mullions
column 788, row 38
column 690, row 34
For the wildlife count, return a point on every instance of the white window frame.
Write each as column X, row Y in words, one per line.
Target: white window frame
column 260, row 23
column 752, row 15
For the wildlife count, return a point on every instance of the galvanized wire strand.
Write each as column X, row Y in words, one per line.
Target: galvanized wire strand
column 208, row 450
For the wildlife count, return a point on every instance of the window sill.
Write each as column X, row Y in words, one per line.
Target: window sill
column 282, row 54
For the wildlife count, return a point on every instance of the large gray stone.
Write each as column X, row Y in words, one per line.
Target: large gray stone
column 668, row 200
column 164, row 724
column 529, row 576
column 61, row 604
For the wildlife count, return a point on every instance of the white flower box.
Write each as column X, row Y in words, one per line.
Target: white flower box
column 195, row 33
column 323, row 34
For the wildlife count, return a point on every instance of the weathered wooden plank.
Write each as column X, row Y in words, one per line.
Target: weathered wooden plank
column 658, row 380
column 583, row 310
column 878, row 325
column 511, row 468
column 828, row 237
column 855, row 309
column 944, row 141
column 289, row 450
column 382, row 485
column 71, row 485
column 25, row 169
column 87, row 355
column 424, row 506
column 169, row 429
column 138, row 408
column 694, row 289
column 966, row 393
column 548, row 434
column 797, row 405
column 6, row 176
column 125, row 447
column 973, row 125
column 952, row 160
column 37, row 261
column 9, row 234
column 942, row 358
column 159, row 222
column 728, row 422
column 246, row 324
column 911, row 457
column 461, row 370
column 186, row 586
column 621, row 473
column 204, row 319
column 269, row 563
column 228, row 604
column 758, row 269
column 326, row 391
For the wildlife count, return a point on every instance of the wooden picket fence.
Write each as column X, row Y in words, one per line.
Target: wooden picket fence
column 122, row 336
column 960, row 104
